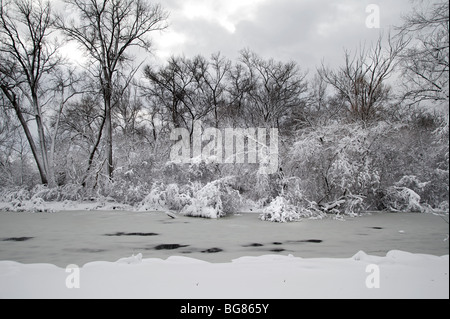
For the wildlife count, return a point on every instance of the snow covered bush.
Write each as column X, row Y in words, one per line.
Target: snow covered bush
column 177, row 197
column 402, row 199
column 280, row 211
column 153, row 201
column 335, row 161
column 14, row 194
column 405, row 196
column 71, row 192
column 33, row 205
column 166, row 197
column 413, row 149
column 354, row 205
column 214, row 200
column 124, row 191
column 206, row 203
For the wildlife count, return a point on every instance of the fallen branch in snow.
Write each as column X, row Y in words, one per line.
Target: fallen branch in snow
column 171, row 215
column 330, row 207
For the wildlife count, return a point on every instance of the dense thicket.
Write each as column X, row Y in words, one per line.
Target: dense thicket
column 370, row 134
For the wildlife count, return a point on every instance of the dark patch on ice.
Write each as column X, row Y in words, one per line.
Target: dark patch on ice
column 90, row 250
column 277, row 243
column 131, row 234
column 314, row 241
column 376, row 227
column 170, row 246
column 212, row 250
column 277, row 250
column 18, row 238
column 253, row 245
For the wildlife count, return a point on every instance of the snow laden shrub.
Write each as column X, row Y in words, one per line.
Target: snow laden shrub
column 335, row 161
column 21, row 198
column 260, row 189
column 349, row 205
column 412, row 149
column 72, row 192
column 214, row 200
column 154, row 201
column 176, row 197
column 14, row 199
column 123, row 190
column 402, row 197
column 166, row 197
column 22, row 201
column 280, row 211
column 206, row 203
column 34, row 205
column 305, row 208
column 14, row 194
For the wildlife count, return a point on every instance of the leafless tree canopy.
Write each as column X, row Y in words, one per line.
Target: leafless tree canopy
column 426, row 60
column 106, row 30
column 27, row 57
column 361, row 82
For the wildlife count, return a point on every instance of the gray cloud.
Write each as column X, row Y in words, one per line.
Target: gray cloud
column 306, row 31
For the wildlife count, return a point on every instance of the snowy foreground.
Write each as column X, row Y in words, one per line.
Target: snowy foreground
column 377, row 255
column 401, row 275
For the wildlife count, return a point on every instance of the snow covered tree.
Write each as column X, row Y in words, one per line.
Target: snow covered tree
column 106, row 30
column 426, row 60
column 183, row 88
column 275, row 89
column 27, row 58
column 334, row 161
column 361, row 82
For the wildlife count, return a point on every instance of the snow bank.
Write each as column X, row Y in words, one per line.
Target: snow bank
column 401, row 275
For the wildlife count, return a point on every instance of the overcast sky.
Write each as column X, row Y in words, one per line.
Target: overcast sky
column 307, row 31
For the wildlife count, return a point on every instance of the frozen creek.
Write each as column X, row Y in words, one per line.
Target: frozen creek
column 79, row 237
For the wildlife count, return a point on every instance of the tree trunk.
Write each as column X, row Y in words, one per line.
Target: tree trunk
column 108, row 127
column 54, row 136
column 42, row 143
column 94, row 150
column 12, row 98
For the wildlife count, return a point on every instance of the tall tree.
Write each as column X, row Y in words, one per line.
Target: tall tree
column 26, row 57
column 181, row 88
column 107, row 30
column 426, row 60
column 276, row 88
column 214, row 82
column 361, row 82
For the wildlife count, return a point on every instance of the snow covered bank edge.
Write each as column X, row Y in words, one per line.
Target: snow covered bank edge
column 400, row 275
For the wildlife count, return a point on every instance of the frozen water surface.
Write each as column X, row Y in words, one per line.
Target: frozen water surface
column 79, row 237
